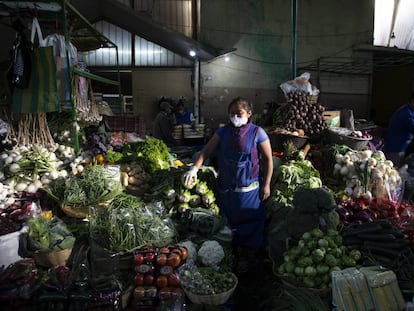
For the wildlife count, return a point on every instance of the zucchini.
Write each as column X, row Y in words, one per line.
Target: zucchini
column 376, row 250
column 368, row 227
column 398, row 244
column 377, row 237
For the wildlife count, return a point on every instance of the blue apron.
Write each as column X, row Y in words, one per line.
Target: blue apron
column 238, row 193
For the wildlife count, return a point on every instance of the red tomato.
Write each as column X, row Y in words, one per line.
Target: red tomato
column 139, row 279
column 184, row 252
column 139, row 259
column 173, row 280
column 148, row 279
column 174, row 260
column 149, row 257
column 164, row 250
column 161, row 259
column 162, row 281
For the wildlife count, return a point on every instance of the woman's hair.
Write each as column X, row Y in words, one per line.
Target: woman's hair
column 240, row 100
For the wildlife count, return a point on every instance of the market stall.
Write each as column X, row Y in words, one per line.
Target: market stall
column 113, row 226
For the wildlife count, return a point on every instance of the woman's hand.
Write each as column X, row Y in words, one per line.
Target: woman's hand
column 265, row 192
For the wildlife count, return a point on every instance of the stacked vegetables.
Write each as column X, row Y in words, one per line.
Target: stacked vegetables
column 301, row 113
column 367, row 174
column 31, row 169
column 97, row 184
column 46, row 233
column 129, row 223
column 156, row 272
column 381, row 243
column 135, row 179
column 315, row 256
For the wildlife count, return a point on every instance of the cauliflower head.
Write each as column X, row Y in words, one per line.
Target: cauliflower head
column 210, row 253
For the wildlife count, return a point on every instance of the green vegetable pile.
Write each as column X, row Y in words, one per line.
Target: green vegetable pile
column 152, row 154
column 129, row 223
column 314, row 258
column 206, row 280
column 97, row 184
column 45, row 234
column 287, row 178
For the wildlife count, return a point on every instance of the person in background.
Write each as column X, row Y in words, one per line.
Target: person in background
column 265, row 119
column 183, row 115
column 163, row 124
column 400, row 133
column 244, row 160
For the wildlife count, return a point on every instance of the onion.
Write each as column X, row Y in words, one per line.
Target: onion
column 21, row 186
column 14, row 168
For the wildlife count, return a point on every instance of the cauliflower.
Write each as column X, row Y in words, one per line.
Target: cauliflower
column 191, row 250
column 211, row 253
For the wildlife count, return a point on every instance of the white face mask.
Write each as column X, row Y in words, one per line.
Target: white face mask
column 237, row 122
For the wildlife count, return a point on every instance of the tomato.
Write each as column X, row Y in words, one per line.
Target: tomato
column 139, row 259
column 174, row 260
column 162, row 281
column 176, row 250
column 161, row 259
column 164, row 250
column 149, row 257
column 139, row 292
column 184, row 252
column 173, row 280
column 148, row 279
column 139, row 279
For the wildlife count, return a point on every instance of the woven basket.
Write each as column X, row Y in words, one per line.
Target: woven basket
column 321, row 292
column 81, row 212
column 53, row 258
column 75, row 212
column 217, row 299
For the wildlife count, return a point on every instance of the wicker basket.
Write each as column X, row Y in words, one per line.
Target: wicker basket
column 53, row 258
column 217, row 299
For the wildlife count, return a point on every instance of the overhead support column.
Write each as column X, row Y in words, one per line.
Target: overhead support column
column 294, row 36
column 196, row 83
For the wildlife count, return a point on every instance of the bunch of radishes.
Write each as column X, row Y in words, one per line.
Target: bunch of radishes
column 30, row 169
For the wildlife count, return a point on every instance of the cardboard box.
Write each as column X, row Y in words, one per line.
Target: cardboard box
column 332, row 117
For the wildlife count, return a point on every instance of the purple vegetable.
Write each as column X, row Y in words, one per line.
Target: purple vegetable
column 364, row 216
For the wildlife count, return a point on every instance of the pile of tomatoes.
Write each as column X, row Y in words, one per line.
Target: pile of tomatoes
column 156, row 277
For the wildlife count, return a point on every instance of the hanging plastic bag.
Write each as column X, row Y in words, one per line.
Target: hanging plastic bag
column 65, row 57
column 18, row 73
